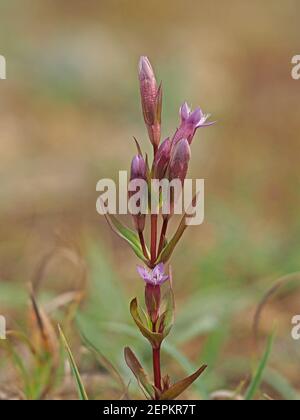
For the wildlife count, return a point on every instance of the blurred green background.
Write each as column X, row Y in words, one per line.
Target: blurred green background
column 68, row 111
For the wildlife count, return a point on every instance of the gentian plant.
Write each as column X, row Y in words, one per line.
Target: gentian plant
column 170, row 161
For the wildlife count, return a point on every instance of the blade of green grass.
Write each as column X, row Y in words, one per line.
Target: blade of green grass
column 257, row 378
column 80, row 387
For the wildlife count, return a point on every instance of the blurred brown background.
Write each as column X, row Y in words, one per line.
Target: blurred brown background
column 68, row 111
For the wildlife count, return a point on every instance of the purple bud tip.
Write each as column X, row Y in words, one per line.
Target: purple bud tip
column 138, row 168
column 155, row 277
column 184, row 112
column 145, row 69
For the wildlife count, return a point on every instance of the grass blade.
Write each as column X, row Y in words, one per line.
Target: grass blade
column 80, row 387
column 257, row 378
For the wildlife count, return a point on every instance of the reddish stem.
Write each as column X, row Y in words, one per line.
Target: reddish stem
column 153, row 238
column 156, row 368
column 163, row 235
column 143, row 245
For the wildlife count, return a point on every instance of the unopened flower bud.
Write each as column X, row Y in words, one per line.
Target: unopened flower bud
column 152, row 299
column 138, row 171
column 151, row 97
column 162, row 159
column 138, row 168
column 179, row 161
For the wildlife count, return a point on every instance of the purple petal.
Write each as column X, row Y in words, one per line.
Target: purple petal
column 207, row 124
column 145, row 275
column 145, row 69
column 184, row 112
column 158, row 274
column 159, row 269
column 195, row 117
column 163, row 279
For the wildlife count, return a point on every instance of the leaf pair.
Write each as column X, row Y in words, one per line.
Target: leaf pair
column 148, row 389
column 163, row 324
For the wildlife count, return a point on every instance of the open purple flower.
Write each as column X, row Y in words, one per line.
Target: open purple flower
column 155, row 277
column 190, row 122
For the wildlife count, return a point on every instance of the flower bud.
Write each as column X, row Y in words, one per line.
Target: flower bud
column 151, row 97
column 190, row 122
column 138, row 168
column 179, row 161
column 162, row 159
column 152, row 299
column 138, row 171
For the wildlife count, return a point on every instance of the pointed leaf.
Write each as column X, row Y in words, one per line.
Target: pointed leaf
column 139, row 150
column 139, row 373
column 154, row 337
column 80, row 387
column 127, row 234
column 43, row 336
column 176, row 389
column 166, row 319
column 257, row 378
column 170, row 246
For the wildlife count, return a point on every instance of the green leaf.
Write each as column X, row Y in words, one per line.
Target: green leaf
column 169, row 248
column 80, row 387
column 139, row 373
column 175, row 390
column 139, row 150
column 127, row 234
column 155, row 338
column 166, row 319
column 257, row 378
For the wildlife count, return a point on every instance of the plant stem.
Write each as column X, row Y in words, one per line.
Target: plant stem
column 156, row 368
column 153, row 238
column 143, row 245
column 163, row 235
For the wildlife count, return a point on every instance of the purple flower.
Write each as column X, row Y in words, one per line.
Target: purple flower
column 190, row 122
column 179, row 161
column 155, row 277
